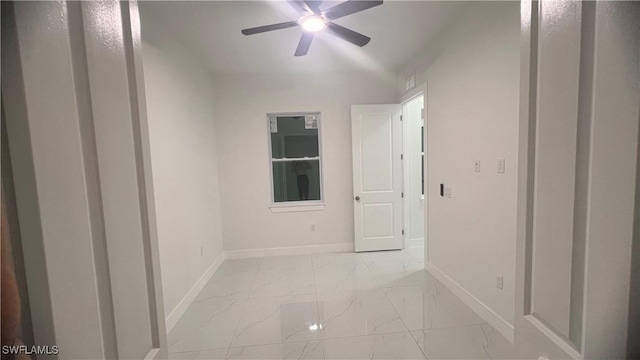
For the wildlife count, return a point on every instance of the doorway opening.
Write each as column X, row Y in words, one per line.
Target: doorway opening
column 413, row 145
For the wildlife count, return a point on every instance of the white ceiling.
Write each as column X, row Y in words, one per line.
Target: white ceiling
column 211, row 29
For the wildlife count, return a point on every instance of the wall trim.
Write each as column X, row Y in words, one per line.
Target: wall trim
column 187, row 300
column 473, row 302
column 289, row 208
column 293, row 250
column 417, row 242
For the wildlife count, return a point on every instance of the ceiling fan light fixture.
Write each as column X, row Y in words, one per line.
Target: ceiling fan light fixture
column 313, row 23
column 314, row 19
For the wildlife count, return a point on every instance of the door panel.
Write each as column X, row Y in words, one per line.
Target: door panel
column 377, row 148
column 548, row 110
column 557, row 117
column 375, row 220
column 377, row 176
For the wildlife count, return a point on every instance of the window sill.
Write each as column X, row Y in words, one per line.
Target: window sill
column 296, row 208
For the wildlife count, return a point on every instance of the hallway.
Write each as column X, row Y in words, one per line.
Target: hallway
column 378, row 305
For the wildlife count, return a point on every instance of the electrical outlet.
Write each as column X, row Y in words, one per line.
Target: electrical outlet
column 499, row 282
column 313, row 227
column 447, row 192
column 501, row 166
column 476, row 165
column 201, row 250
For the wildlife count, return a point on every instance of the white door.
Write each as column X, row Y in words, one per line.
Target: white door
column 376, row 133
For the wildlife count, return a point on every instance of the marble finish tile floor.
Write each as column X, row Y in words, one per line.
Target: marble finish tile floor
column 378, row 305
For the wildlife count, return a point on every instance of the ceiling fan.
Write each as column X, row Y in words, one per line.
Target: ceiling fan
column 313, row 19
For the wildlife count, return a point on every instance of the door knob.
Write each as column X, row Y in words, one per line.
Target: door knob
column 357, row 198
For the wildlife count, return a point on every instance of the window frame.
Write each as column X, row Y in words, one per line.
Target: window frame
column 304, row 205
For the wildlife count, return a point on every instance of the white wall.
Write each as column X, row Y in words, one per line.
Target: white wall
column 184, row 159
column 472, row 76
column 241, row 103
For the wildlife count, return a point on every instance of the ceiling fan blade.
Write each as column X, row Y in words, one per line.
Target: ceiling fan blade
column 314, row 5
column 304, row 44
column 300, row 6
column 261, row 29
column 308, row 6
column 348, row 35
column 349, row 7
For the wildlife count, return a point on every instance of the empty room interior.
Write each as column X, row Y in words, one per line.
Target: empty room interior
column 321, row 179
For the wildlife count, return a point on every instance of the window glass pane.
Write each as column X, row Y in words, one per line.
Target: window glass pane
column 293, row 137
column 296, row 180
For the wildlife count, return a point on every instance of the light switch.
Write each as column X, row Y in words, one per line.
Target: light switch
column 501, row 166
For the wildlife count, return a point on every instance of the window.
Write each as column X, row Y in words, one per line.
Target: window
column 296, row 167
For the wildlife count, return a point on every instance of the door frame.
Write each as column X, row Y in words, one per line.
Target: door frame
column 606, row 28
column 76, row 247
column 420, row 90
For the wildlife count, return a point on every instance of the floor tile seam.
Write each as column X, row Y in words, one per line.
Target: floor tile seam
column 322, row 339
column 359, row 291
column 452, row 327
column 337, row 270
column 374, row 276
column 210, row 300
column 197, row 350
column 285, row 267
column 272, row 343
column 365, row 335
column 395, row 309
column 424, row 353
column 437, row 328
column 315, row 285
column 385, row 291
column 280, row 296
column 242, row 314
column 400, row 286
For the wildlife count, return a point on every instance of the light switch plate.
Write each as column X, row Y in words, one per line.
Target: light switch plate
column 501, row 166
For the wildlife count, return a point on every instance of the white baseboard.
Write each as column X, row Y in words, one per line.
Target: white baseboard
column 473, row 302
column 294, row 250
column 183, row 305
